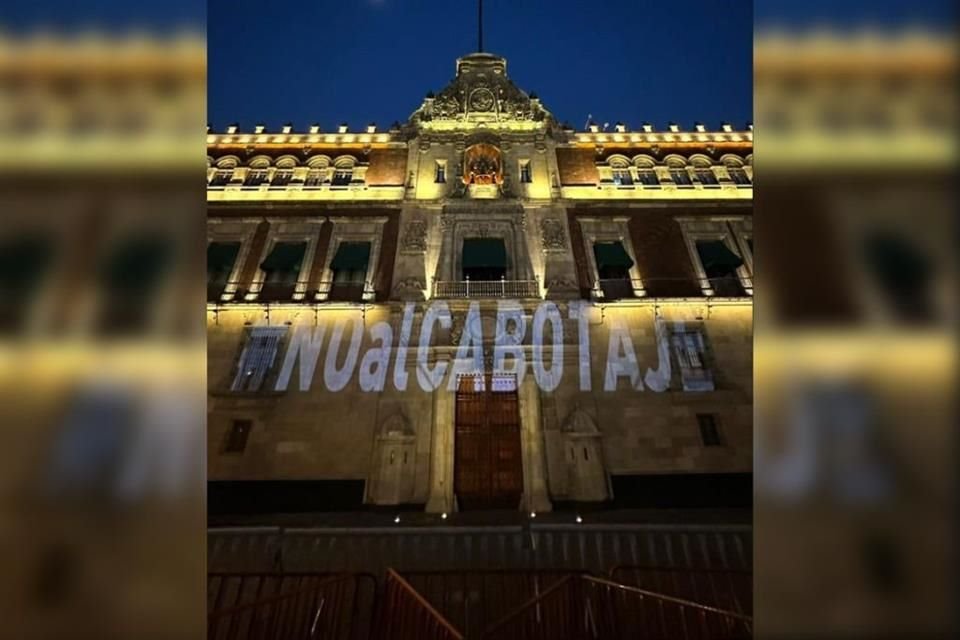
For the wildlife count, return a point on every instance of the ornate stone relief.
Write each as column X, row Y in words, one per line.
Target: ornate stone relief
column 552, row 235
column 404, row 288
column 414, row 238
column 562, row 284
column 481, row 88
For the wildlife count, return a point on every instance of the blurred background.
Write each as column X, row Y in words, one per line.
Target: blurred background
column 102, row 390
column 855, row 350
column 102, row 370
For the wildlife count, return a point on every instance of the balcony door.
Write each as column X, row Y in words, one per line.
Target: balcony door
column 484, row 259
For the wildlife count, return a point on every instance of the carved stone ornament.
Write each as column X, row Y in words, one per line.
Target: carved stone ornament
column 481, row 87
column 552, row 235
column 482, row 100
column 562, row 284
column 414, row 238
column 408, row 289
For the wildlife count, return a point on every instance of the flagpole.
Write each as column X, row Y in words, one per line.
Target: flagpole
column 480, row 26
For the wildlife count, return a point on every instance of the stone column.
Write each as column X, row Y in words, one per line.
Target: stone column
column 535, row 494
column 441, row 498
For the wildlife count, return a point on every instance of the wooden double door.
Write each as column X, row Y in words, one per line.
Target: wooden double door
column 488, row 463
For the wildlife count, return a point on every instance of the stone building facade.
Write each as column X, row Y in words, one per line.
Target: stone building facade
column 480, row 308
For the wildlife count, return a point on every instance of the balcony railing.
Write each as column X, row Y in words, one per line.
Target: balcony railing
column 281, row 292
column 618, row 289
column 486, row 289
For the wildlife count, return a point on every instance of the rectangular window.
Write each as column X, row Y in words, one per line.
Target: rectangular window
column 257, row 358
column 349, row 267
column 648, row 178
column 526, row 177
column 440, row 172
column 221, row 257
column 282, row 178
column 221, row 178
column 720, row 265
column 237, row 437
column 681, row 178
column 613, row 270
column 281, row 269
column 255, row 178
column 706, row 177
column 739, row 176
column 315, row 177
column 689, row 348
column 709, row 431
column 622, row 177
column 342, row 177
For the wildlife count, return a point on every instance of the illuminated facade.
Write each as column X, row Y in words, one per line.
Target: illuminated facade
column 480, row 308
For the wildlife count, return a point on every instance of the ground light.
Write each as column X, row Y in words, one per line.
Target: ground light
column 397, row 520
column 579, row 519
column 443, row 516
column 533, row 514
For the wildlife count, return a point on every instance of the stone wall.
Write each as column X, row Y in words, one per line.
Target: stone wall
column 321, row 434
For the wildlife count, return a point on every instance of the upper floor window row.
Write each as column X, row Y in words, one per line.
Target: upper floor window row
column 696, row 171
column 263, row 171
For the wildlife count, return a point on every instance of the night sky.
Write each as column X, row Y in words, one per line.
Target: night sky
column 358, row 61
column 361, row 61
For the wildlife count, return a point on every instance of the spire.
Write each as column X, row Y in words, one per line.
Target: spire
column 480, row 26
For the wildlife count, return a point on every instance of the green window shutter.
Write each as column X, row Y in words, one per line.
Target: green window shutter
column 137, row 264
column 221, row 257
column 717, row 258
column 351, row 256
column 484, row 253
column 23, row 262
column 285, row 256
column 611, row 254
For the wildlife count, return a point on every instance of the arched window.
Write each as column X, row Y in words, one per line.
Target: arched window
column 620, row 170
column 646, row 173
column 343, row 171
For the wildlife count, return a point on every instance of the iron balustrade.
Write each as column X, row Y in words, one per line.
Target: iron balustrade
column 502, row 288
column 260, row 291
column 617, row 289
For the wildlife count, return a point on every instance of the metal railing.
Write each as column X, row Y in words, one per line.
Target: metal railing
column 617, row 289
column 469, row 599
column 729, row 589
column 292, row 606
column 614, row 610
column 581, row 607
column 259, row 291
column 404, row 614
column 502, row 288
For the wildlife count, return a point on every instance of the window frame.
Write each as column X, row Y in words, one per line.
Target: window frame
column 726, row 229
column 710, row 420
column 525, row 171
column 284, row 230
column 231, row 444
column 613, row 229
column 354, row 229
column 276, row 340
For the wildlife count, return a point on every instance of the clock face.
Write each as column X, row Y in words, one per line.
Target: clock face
column 482, row 100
